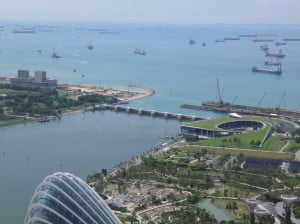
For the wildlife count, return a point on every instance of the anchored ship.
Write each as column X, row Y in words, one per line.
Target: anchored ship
column 280, row 43
column 24, row 31
column 219, row 40
column 277, row 70
column 140, row 52
column 231, row 38
column 270, row 62
column 264, row 47
column 278, row 54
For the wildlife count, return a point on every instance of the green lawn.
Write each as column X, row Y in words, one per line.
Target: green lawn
column 237, row 152
column 212, row 124
column 239, row 141
column 273, row 143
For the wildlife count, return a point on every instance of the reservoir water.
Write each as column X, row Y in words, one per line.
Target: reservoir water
column 178, row 72
column 80, row 144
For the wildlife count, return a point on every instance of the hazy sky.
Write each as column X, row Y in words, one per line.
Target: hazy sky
column 155, row 11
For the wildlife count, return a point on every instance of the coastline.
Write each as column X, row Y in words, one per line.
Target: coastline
column 124, row 97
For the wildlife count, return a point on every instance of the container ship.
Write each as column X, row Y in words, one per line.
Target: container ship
column 278, row 54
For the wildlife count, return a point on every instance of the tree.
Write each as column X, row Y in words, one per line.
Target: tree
column 104, row 172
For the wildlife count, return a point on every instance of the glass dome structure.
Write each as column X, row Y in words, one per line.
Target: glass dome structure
column 63, row 198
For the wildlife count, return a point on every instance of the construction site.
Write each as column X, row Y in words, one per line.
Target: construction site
column 225, row 107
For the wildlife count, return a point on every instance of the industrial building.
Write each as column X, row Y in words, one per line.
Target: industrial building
column 64, row 198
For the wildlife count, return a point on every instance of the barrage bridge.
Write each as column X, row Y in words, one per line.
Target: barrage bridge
column 151, row 113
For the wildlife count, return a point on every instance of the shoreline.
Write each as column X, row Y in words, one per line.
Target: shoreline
column 124, row 97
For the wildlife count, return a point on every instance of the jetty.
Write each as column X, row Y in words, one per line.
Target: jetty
column 225, row 107
column 150, row 113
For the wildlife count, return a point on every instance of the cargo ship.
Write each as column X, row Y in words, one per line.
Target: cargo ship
column 191, row 41
column 24, row 31
column 247, row 35
column 140, row 52
column 219, row 40
column 231, row 38
column 266, row 35
column 280, row 43
column 270, row 62
column 263, row 40
column 54, row 55
column 278, row 54
column 277, row 70
column 292, row 39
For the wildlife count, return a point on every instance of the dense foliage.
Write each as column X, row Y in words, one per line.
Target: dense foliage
column 34, row 99
column 190, row 215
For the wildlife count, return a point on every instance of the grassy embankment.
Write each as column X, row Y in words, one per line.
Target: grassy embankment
column 237, row 152
column 250, row 140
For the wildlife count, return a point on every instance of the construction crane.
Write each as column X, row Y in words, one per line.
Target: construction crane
column 234, row 99
column 219, row 93
column 261, row 99
column 282, row 99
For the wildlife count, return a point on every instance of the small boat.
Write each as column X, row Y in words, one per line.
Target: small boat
column 280, row 43
column 39, row 51
column 203, row 44
column 264, row 47
column 191, row 41
column 90, row 46
column 140, row 52
column 54, row 55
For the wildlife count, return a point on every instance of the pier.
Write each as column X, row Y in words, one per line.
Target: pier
column 150, row 113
